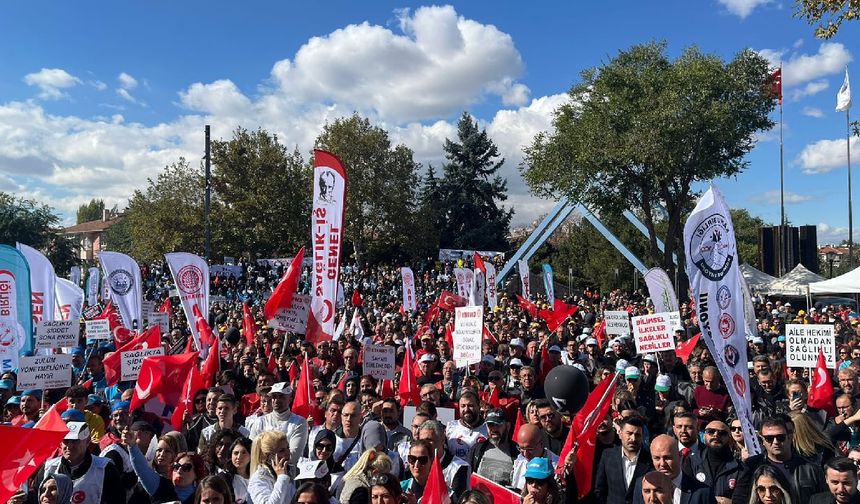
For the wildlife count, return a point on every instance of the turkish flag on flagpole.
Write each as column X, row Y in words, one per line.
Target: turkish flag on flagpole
column 25, row 450
column 436, row 491
column 151, row 338
column 583, row 434
column 685, row 349
column 248, row 326
column 193, row 383
column 528, row 306
column 356, row 298
column 166, row 307
column 498, row 493
column 821, row 390
column 600, row 334
column 408, row 386
column 559, row 313
column 212, row 365
column 776, row 83
column 207, row 338
column 486, row 335
column 162, row 375
column 304, row 403
column 520, row 422
column 282, row 297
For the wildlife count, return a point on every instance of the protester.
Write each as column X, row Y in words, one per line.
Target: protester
column 213, row 490
column 270, row 459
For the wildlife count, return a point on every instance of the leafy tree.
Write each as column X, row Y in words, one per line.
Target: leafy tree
column 470, row 192
column 35, row 224
column 91, row 211
column 827, row 14
column 167, row 216
column 746, row 233
column 264, row 192
column 641, row 129
column 119, row 238
column 429, row 206
column 381, row 188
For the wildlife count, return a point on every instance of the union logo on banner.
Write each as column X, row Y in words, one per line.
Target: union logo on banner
column 189, row 279
column 121, row 282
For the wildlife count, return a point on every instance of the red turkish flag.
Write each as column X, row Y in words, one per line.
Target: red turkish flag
column 436, row 491
column 207, row 338
column 305, row 404
column 166, row 307
column 600, row 334
column 448, row 301
column 25, row 450
column 408, row 386
column 520, row 422
column 282, row 297
column 821, row 390
column 356, row 298
column 583, row 434
column 479, row 263
column 151, row 338
column 248, row 326
column 559, row 313
column 528, row 306
column 685, row 349
column 497, row 493
column 776, row 84
column 494, row 398
column 387, row 389
column 164, row 376
column 449, row 336
column 486, row 335
column 193, row 383
column 211, row 366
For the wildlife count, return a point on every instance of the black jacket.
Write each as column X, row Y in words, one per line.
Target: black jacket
column 610, row 486
column 112, row 489
column 722, row 481
column 692, row 492
column 827, row 498
column 808, row 478
column 476, row 454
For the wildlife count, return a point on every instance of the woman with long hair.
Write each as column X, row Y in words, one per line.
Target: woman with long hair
column 216, row 453
column 311, row 493
column 213, row 490
column 736, row 439
column 770, row 487
column 809, row 440
column 385, row 489
column 157, row 482
column 239, row 469
column 356, row 482
column 270, row 457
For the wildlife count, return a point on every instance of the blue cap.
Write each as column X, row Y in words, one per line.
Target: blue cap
column 7, row 385
column 107, row 346
column 538, row 468
column 33, row 393
column 15, row 400
column 93, row 399
column 126, row 405
column 28, row 425
column 78, row 351
column 73, row 415
column 781, row 339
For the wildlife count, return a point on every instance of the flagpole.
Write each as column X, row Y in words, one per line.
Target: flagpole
column 783, row 255
column 850, row 212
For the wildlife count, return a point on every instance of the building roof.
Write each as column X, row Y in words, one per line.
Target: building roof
column 91, row 226
column 830, row 249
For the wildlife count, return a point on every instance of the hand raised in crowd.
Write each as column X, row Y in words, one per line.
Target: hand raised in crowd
column 279, row 464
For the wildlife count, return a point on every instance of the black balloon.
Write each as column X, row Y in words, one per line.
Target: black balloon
column 567, row 388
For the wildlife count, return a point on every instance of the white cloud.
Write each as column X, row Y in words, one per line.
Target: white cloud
column 51, row 82
column 812, row 112
column 825, row 155
column 811, row 88
column 126, row 81
column 797, row 69
column 742, row 8
column 440, row 64
column 772, row 197
column 831, row 234
column 101, row 86
column 797, row 43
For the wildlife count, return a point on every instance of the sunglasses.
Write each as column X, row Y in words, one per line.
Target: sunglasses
column 535, row 481
column 381, row 479
column 547, row 417
column 324, row 447
column 413, row 460
column 716, row 432
column 769, row 489
column 183, row 467
column 737, row 429
column 775, row 437
column 200, row 400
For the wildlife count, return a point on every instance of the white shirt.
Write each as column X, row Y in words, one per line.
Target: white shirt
column 264, row 489
column 676, row 497
column 294, row 426
column 209, row 432
column 518, row 478
column 462, row 438
column 629, row 467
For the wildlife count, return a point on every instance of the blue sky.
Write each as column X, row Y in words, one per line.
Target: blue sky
column 95, row 98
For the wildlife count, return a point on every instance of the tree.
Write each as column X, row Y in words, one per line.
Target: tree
column 167, row 216
column 381, row 188
column 264, row 192
column 640, row 130
column 91, row 211
column 35, row 224
column 746, row 234
column 828, row 14
column 470, row 191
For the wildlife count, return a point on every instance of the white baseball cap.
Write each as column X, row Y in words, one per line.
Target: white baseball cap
column 77, row 431
column 281, row 388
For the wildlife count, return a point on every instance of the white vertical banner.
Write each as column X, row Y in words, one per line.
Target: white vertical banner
column 93, row 284
column 191, row 277
column 712, row 267
column 751, row 323
column 460, row 276
column 477, row 286
column 122, row 281
column 491, row 285
column 326, row 237
column 524, row 277
column 548, row 286
column 75, row 275
column 70, row 300
column 408, row 278
column 661, row 291
column 43, row 283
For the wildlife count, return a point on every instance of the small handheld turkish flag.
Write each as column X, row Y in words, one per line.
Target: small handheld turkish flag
column 282, row 297
column 821, row 391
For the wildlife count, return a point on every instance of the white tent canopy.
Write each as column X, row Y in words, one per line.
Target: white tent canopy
column 756, row 279
column 793, row 283
column 843, row 284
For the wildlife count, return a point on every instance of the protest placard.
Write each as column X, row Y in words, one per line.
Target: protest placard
column 98, row 329
column 295, row 318
column 379, row 361
column 160, row 319
column 133, row 360
column 468, row 331
column 147, row 307
column 803, row 341
column 617, row 322
column 653, row 333
column 57, row 334
column 42, row 372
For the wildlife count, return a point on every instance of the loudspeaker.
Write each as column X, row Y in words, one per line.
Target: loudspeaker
column 809, row 248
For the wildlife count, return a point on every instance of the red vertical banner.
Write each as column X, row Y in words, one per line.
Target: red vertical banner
column 326, row 239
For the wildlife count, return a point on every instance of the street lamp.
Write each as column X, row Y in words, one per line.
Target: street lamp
column 831, row 256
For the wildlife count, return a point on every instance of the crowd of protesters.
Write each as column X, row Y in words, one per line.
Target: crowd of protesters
column 671, row 435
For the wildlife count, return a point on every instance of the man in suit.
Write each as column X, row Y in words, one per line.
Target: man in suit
column 685, row 428
column 620, row 467
column 841, row 477
column 666, row 458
